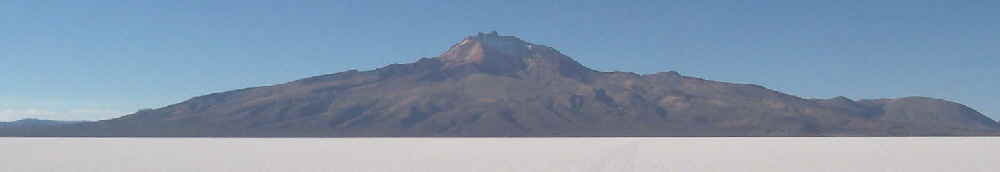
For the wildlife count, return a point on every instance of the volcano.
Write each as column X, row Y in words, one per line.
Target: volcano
column 489, row 85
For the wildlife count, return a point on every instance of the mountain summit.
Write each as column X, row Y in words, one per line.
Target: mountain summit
column 493, row 85
column 509, row 55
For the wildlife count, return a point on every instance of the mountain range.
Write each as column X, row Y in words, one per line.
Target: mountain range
column 489, row 85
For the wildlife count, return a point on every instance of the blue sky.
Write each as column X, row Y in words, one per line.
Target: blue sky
column 88, row 60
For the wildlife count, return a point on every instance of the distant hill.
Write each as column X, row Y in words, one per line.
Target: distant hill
column 500, row 86
column 30, row 122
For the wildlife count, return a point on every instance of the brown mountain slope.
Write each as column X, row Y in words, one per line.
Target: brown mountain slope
column 492, row 85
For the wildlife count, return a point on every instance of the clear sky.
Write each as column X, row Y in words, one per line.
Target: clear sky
column 89, row 60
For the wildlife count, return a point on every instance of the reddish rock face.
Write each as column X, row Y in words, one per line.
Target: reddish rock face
column 474, row 48
column 509, row 55
column 492, row 85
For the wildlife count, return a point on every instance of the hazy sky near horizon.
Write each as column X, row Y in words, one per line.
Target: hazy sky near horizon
column 90, row 60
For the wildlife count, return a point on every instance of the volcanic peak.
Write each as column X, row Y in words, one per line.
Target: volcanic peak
column 480, row 47
column 507, row 55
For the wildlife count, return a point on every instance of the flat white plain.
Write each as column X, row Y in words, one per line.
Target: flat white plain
column 913, row 154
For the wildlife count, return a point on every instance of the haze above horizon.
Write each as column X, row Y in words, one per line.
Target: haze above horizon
column 70, row 60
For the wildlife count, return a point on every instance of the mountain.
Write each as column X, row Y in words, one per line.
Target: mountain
column 31, row 122
column 497, row 86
